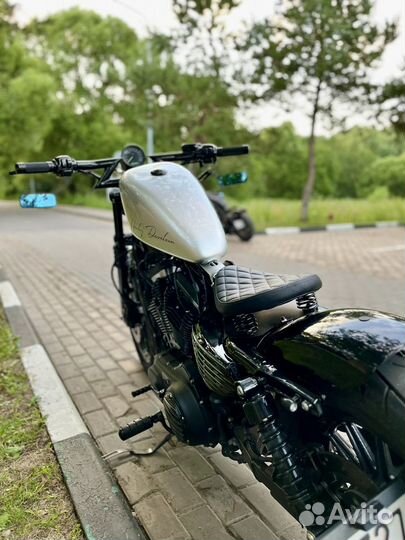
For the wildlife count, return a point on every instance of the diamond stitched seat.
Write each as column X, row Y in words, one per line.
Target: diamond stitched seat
column 241, row 290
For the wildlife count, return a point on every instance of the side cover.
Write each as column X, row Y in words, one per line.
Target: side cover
column 341, row 347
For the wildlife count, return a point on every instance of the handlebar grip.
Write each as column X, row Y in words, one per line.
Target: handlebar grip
column 233, row 151
column 34, row 167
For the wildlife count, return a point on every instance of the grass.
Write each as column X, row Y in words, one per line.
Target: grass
column 285, row 213
column 34, row 503
column 93, row 199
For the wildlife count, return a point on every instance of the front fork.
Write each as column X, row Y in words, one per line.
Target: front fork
column 129, row 309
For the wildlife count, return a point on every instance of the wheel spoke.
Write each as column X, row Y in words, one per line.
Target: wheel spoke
column 343, row 447
column 361, row 448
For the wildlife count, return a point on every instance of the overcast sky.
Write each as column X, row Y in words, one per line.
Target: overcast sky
column 158, row 14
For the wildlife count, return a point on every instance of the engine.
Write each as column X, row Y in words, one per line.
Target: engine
column 218, row 371
column 174, row 308
column 189, row 367
column 185, row 399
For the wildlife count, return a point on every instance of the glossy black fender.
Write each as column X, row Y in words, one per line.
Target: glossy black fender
column 341, row 347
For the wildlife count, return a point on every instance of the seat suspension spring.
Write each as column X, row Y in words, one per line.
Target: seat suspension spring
column 307, row 303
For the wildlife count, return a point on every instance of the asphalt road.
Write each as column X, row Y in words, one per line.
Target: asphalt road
column 360, row 268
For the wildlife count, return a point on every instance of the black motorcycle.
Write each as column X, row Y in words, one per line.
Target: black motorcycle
column 313, row 400
column 234, row 220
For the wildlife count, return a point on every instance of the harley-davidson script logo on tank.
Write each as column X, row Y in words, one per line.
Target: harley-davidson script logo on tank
column 150, row 231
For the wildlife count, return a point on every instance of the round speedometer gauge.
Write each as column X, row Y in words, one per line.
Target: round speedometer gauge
column 133, row 156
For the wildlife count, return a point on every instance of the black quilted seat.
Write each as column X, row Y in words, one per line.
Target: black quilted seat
column 241, row 290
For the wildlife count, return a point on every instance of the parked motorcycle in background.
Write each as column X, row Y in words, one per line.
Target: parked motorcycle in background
column 234, row 220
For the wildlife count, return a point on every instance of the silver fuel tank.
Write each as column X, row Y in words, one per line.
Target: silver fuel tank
column 168, row 209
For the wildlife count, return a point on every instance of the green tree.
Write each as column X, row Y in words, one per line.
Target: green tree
column 26, row 98
column 391, row 100
column 388, row 172
column 278, row 155
column 88, row 56
column 347, row 155
column 317, row 50
column 203, row 48
column 203, row 39
column 111, row 83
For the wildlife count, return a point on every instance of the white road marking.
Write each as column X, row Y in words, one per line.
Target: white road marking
column 340, row 227
column 399, row 247
column 382, row 224
column 8, row 295
column 282, row 230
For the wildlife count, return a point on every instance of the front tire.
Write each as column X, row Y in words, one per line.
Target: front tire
column 139, row 336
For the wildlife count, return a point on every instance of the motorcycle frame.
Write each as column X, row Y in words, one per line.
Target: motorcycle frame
column 121, row 243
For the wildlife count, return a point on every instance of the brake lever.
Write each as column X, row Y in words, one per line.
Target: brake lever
column 65, row 166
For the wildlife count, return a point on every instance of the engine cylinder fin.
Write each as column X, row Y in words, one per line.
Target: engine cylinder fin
column 158, row 314
column 219, row 372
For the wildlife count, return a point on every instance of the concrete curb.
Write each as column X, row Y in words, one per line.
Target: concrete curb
column 106, row 215
column 334, row 227
column 98, row 500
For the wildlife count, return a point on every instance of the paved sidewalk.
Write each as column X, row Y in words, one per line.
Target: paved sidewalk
column 361, row 268
column 60, row 263
column 180, row 493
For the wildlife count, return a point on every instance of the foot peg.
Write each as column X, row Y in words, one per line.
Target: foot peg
column 140, row 425
column 141, row 391
column 118, row 457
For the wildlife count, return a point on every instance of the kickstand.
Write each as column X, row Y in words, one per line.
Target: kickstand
column 124, row 455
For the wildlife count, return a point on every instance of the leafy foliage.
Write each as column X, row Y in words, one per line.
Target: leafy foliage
column 203, row 39
column 318, row 50
column 391, row 99
column 86, row 85
column 389, row 172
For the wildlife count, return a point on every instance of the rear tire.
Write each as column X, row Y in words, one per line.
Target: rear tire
column 379, row 404
column 248, row 231
column 356, row 448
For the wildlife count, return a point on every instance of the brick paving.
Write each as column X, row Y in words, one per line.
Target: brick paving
column 181, row 492
column 373, row 252
column 361, row 268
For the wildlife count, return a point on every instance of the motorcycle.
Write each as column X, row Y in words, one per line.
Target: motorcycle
column 234, row 220
column 311, row 399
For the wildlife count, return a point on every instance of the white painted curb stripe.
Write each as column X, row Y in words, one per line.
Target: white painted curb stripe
column 382, row 224
column 8, row 295
column 61, row 416
column 340, row 227
column 399, row 247
column 282, row 230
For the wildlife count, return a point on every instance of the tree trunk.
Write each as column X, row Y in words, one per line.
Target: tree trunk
column 311, row 178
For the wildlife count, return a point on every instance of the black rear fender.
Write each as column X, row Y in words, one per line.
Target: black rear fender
column 341, row 347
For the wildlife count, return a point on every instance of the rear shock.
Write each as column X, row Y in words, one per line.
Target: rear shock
column 272, row 442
